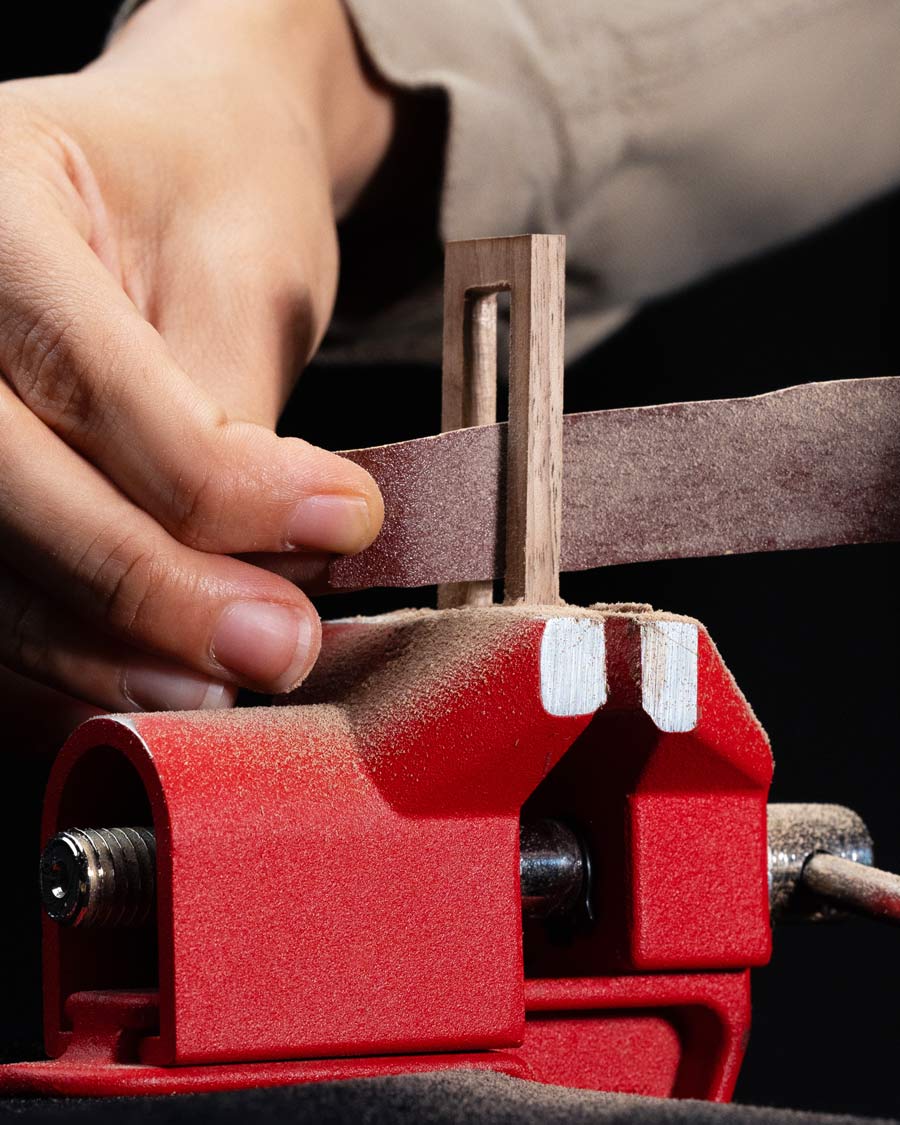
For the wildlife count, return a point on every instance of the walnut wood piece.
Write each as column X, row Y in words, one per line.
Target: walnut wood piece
column 532, row 269
column 812, row 466
column 469, row 390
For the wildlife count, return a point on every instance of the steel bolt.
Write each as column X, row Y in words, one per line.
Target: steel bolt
column 99, row 876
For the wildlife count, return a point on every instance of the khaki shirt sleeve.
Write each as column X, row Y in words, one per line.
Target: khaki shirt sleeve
column 665, row 138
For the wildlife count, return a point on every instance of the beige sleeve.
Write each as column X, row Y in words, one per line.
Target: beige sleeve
column 665, row 138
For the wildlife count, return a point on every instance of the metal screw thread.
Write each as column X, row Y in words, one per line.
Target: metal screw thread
column 100, row 876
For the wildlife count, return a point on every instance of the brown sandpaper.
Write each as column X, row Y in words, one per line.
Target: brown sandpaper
column 811, row 466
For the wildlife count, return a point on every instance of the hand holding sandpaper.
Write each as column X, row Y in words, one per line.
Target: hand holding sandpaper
column 812, row 466
column 168, row 263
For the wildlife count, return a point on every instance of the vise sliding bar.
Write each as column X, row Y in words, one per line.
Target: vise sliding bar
column 106, row 877
column 820, row 858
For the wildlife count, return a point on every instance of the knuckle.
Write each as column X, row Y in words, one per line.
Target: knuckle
column 41, row 347
column 198, row 505
column 126, row 578
column 44, row 371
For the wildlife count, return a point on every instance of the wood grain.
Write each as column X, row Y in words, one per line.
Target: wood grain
column 532, row 269
column 812, row 466
column 469, row 385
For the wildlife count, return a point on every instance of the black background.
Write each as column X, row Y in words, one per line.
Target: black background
column 810, row 636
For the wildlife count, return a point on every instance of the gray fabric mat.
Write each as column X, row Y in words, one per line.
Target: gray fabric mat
column 456, row 1098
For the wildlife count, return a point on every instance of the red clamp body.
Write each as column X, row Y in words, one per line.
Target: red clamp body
column 338, row 878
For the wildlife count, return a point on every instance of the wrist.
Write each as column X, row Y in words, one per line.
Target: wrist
column 303, row 53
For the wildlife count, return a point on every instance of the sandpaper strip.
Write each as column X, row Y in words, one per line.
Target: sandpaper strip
column 811, row 466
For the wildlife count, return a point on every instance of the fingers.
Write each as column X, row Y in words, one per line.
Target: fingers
column 89, row 548
column 86, row 363
column 46, row 644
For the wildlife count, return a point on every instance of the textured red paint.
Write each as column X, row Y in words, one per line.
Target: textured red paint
column 339, row 877
column 672, row 1035
column 697, row 836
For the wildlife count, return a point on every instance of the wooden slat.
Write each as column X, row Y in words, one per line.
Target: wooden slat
column 532, row 269
column 469, row 394
column 534, row 438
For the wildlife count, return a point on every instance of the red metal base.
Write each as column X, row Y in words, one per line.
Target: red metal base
column 663, row 1036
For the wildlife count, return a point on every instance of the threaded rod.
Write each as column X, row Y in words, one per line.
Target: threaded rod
column 107, row 876
column 100, row 876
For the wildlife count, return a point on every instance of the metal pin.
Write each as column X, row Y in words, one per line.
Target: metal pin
column 852, row 886
column 820, row 866
column 553, row 869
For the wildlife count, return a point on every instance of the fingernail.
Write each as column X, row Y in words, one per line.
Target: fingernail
column 265, row 645
column 149, row 688
column 342, row 524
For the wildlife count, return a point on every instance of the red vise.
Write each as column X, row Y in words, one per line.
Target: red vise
column 338, row 878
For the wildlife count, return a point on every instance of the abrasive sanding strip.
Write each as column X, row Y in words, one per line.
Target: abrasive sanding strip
column 810, row 466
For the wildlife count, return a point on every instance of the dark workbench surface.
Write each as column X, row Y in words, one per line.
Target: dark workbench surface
column 463, row 1098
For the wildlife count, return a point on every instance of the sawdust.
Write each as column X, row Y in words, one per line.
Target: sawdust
column 407, row 671
column 382, row 683
column 317, row 743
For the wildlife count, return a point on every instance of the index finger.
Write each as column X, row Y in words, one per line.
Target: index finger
column 83, row 359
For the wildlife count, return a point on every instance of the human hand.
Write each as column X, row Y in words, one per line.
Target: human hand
column 168, row 263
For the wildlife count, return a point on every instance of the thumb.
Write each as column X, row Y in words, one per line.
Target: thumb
column 242, row 330
column 91, row 368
